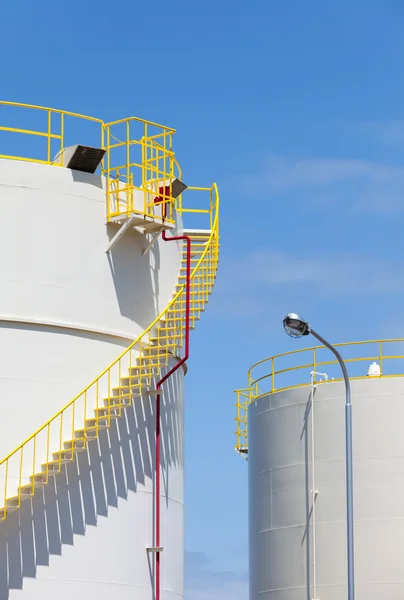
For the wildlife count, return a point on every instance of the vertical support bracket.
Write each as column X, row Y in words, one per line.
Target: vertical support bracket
column 151, row 242
column 121, row 231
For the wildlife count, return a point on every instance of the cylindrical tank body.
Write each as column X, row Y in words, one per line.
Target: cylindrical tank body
column 297, row 505
column 67, row 309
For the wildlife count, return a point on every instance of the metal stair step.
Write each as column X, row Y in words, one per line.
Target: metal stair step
column 198, row 233
column 150, row 361
column 93, row 424
column 133, row 381
column 28, row 490
column 170, row 342
column 178, row 333
column 56, row 463
column 65, row 456
column 206, row 270
column 116, row 401
column 192, row 293
column 112, row 409
column 78, row 443
column 144, row 371
column 51, row 467
column 194, row 286
column 14, row 502
column 124, row 391
column 39, row 479
column 54, row 466
column 91, row 431
column 157, row 352
column 119, row 396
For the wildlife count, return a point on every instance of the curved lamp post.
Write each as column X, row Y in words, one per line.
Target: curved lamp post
column 296, row 327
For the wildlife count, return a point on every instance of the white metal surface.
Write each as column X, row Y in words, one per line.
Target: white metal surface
column 66, row 310
column 282, row 565
column 88, row 535
column 66, row 307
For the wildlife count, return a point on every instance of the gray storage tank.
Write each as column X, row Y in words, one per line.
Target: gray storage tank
column 297, row 505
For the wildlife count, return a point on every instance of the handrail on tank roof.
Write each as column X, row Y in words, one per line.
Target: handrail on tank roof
column 134, row 161
column 86, row 117
column 55, row 131
column 315, row 348
column 246, row 395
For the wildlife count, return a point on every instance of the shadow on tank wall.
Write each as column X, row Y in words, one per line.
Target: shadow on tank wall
column 136, row 286
column 88, row 178
column 112, row 468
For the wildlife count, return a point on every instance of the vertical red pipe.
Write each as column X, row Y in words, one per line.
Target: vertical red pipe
column 158, row 387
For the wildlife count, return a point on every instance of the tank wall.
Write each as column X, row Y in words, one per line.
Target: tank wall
column 56, row 270
column 67, row 308
column 41, row 369
column 297, row 553
column 85, row 535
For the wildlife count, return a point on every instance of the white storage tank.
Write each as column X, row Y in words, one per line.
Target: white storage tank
column 297, row 493
column 86, row 274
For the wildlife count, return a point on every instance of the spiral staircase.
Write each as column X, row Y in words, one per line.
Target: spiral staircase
column 42, row 456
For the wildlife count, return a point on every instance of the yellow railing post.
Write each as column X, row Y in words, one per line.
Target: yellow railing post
column 20, row 475
column 62, row 133
column 314, row 365
column 108, row 172
column 73, row 425
column 5, row 489
column 49, row 135
column 85, row 414
column 60, row 441
column 103, row 147
column 381, row 357
column 128, row 186
column 33, row 466
column 47, row 450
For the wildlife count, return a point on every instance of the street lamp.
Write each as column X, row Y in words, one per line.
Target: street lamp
column 296, row 327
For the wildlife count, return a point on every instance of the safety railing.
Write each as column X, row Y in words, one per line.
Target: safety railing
column 139, row 163
column 293, row 369
column 70, row 429
column 38, row 134
column 140, row 167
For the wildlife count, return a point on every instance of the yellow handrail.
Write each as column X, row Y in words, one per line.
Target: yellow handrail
column 151, row 123
column 138, row 169
column 265, row 376
column 165, row 333
column 49, row 132
column 139, row 162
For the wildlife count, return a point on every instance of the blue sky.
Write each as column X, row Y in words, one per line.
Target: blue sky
column 296, row 110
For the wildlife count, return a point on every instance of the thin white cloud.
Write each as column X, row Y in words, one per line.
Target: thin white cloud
column 335, row 274
column 387, row 132
column 204, row 582
column 360, row 184
column 268, row 276
column 281, row 174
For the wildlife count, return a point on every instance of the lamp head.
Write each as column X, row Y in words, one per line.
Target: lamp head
column 295, row 326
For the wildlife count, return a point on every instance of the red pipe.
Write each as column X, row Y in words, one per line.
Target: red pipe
column 158, row 387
